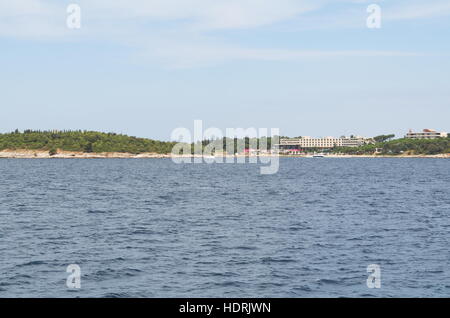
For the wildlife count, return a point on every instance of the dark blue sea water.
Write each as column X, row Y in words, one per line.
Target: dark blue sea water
column 151, row 228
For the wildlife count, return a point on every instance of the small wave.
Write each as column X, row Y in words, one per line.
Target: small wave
column 328, row 281
column 97, row 211
column 116, row 295
column 246, row 248
column 276, row 260
column 116, row 274
column 229, row 284
column 32, row 263
column 302, row 288
column 142, row 231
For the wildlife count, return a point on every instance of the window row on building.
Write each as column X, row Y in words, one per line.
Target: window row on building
column 327, row 142
column 426, row 134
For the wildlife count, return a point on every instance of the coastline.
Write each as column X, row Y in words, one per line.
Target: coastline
column 43, row 154
column 442, row 156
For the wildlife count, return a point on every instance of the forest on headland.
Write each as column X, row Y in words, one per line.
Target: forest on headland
column 402, row 146
column 81, row 141
column 100, row 142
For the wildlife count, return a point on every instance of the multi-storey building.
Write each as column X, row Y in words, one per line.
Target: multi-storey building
column 426, row 134
column 297, row 144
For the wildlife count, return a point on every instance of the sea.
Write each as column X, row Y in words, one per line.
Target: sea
column 320, row 227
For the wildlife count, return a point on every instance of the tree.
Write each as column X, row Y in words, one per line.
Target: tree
column 52, row 151
column 88, row 148
column 383, row 138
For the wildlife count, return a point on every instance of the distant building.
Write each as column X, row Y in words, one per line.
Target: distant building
column 297, row 144
column 426, row 134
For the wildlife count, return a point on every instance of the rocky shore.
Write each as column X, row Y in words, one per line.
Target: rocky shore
column 43, row 154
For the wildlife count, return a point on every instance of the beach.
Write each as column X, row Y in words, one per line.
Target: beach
column 44, row 154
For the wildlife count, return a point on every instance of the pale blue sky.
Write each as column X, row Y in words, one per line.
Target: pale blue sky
column 145, row 68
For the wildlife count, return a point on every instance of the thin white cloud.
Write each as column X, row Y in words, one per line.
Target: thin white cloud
column 24, row 7
column 46, row 18
column 174, row 31
column 32, row 18
column 418, row 10
column 206, row 14
column 188, row 55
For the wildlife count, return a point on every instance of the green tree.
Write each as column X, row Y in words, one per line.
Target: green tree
column 52, row 151
column 383, row 138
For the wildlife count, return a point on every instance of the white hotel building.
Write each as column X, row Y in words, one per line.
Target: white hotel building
column 426, row 134
column 298, row 144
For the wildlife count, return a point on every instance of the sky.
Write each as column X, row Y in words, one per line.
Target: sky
column 147, row 67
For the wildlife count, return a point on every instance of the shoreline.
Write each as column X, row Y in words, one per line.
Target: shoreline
column 42, row 154
column 442, row 156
